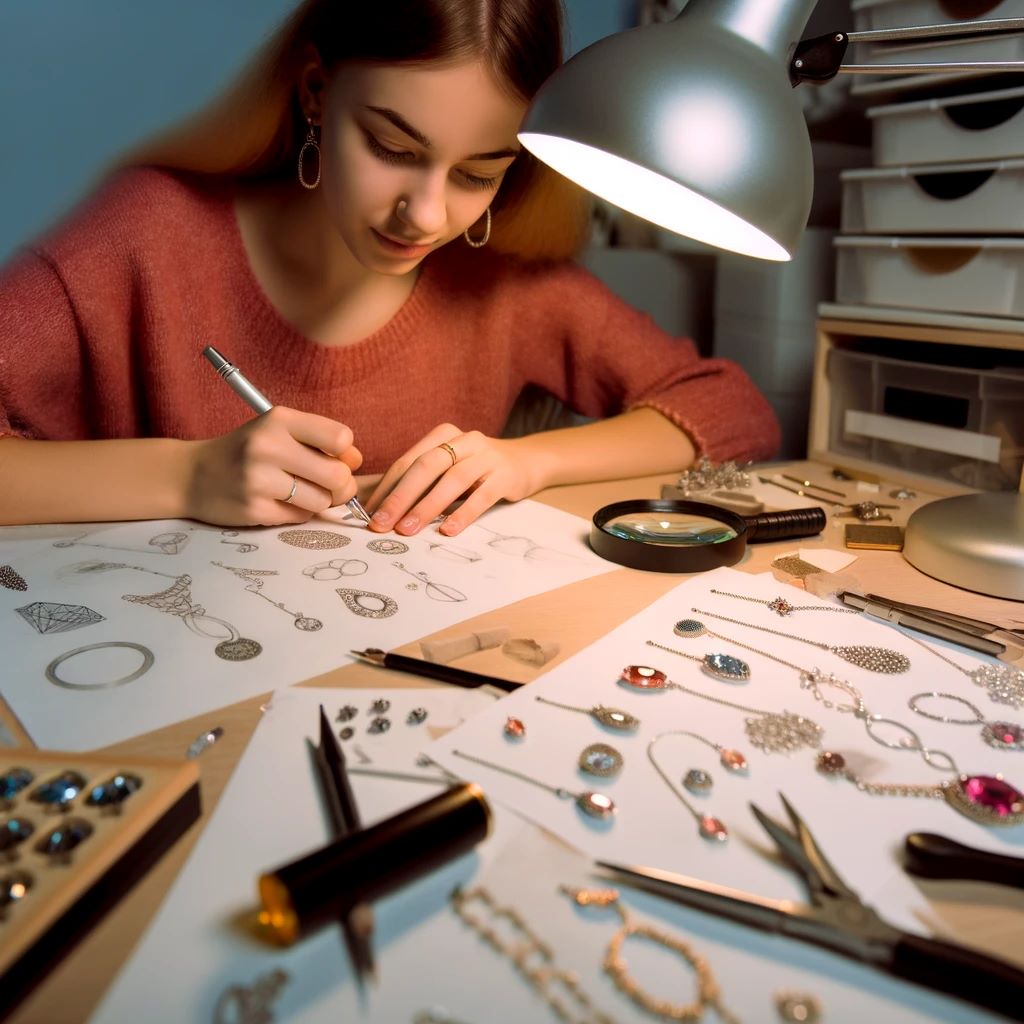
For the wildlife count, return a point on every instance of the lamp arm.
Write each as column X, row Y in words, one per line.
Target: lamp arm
column 819, row 59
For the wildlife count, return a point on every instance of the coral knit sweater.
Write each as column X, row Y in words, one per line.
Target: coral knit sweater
column 102, row 326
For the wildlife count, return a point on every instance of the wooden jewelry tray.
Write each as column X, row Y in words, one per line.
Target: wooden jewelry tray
column 68, row 892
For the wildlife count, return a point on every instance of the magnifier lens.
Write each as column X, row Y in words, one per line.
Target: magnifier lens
column 671, row 529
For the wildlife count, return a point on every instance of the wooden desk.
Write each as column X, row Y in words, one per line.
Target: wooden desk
column 989, row 917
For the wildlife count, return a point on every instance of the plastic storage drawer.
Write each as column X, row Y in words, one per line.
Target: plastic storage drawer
column 960, row 424
column 953, row 275
column 872, row 15
column 982, row 126
column 935, row 199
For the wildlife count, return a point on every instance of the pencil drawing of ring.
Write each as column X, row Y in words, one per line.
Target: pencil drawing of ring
column 450, row 450
column 147, row 664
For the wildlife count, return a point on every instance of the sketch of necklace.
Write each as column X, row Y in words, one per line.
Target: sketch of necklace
column 452, row 552
column 243, row 547
column 437, row 591
column 177, row 600
column 167, row 543
column 254, row 579
column 523, row 547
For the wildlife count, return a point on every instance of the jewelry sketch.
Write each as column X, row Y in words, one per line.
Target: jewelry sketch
column 453, row 552
column 386, row 546
column 336, row 568
column 166, row 543
column 254, row 585
column 437, row 591
column 11, row 578
column 145, row 666
column 523, row 547
column 367, row 603
column 47, row 617
column 314, row 540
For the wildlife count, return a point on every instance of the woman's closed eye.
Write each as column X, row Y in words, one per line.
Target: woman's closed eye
column 404, row 156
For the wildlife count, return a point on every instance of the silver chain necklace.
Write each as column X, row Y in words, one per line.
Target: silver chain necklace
column 1004, row 683
column 782, row 607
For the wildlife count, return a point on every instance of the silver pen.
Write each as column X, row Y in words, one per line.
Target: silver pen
column 256, row 400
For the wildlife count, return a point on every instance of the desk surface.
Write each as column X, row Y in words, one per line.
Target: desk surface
column 988, row 917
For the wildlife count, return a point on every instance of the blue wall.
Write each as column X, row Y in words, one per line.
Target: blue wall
column 83, row 80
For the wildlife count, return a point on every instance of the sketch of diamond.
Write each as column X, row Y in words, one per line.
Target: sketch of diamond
column 47, row 617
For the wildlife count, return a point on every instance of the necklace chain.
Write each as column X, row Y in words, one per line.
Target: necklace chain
column 557, row 790
column 782, row 607
column 764, row 629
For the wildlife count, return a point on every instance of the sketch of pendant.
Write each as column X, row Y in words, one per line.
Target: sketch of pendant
column 387, row 546
column 47, row 617
column 177, row 600
column 243, row 547
column 367, row 603
column 166, row 543
column 453, row 552
column 523, row 547
column 315, row 540
column 254, row 585
column 11, row 578
column 437, row 591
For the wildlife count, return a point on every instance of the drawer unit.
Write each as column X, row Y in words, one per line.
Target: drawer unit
column 872, row 15
column 935, row 199
column 943, row 407
column 977, row 127
column 955, row 275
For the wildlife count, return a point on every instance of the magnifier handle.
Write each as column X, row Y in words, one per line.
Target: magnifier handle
column 796, row 522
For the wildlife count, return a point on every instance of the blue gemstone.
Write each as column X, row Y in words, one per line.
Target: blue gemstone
column 65, row 837
column 61, row 789
column 114, row 791
column 725, row 666
column 14, row 831
column 13, row 781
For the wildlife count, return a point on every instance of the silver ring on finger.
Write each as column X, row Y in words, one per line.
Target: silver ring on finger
column 291, row 493
column 450, row 450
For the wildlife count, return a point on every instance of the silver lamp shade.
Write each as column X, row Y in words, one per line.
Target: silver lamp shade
column 692, row 124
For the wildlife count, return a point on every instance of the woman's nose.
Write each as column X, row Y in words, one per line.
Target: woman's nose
column 424, row 207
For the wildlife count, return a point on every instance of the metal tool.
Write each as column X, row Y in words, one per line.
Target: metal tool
column 837, row 920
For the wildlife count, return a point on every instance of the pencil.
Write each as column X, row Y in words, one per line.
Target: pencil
column 344, row 814
column 430, row 669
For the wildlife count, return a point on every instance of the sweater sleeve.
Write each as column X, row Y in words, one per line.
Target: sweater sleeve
column 611, row 358
column 40, row 353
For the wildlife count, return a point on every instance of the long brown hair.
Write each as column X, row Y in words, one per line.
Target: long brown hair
column 257, row 128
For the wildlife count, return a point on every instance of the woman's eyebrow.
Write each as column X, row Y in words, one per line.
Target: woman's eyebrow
column 417, row 136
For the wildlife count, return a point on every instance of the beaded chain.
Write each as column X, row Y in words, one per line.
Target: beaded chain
column 1005, row 684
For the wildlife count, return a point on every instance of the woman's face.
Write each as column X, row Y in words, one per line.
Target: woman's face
column 412, row 156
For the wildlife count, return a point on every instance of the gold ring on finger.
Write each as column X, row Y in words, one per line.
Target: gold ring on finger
column 450, row 450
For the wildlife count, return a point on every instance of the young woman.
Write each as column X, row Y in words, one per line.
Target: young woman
column 357, row 228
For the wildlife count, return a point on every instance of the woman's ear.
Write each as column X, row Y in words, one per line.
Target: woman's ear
column 312, row 84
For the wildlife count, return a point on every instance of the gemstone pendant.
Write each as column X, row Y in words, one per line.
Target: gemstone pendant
column 600, row 759
column 596, row 805
column 59, row 790
column 514, row 728
column 65, row 837
column 13, row 781
column 689, row 628
column 725, row 666
column 114, row 791
column 613, row 718
column 643, row 677
column 733, row 760
column 712, row 828
column 986, row 799
column 780, row 606
column 1003, row 735
column 696, row 780
column 874, row 659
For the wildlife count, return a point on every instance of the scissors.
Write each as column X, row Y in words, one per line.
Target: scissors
column 837, row 920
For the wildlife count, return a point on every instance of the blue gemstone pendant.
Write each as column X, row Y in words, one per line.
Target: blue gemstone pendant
column 60, row 790
column 114, row 791
column 725, row 666
column 13, row 781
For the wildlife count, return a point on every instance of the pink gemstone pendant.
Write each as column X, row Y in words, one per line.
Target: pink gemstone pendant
column 712, row 828
column 514, row 728
column 733, row 760
column 643, row 677
column 986, row 799
column 1003, row 735
column 780, row 606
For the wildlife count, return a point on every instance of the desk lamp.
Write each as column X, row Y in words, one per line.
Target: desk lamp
column 693, row 124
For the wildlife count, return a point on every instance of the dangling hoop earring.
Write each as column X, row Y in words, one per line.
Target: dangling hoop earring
column 479, row 244
column 310, row 143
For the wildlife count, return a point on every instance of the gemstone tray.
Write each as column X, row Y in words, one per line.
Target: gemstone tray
column 77, row 831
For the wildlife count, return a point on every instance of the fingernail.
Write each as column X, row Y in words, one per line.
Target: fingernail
column 381, row 516
column 409, row 523
column 449, row 528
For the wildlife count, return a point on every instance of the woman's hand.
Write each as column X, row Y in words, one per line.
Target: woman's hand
column 443, row 467
column 282, row 467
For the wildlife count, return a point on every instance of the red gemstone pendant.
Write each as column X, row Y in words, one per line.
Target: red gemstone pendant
column 643, row 677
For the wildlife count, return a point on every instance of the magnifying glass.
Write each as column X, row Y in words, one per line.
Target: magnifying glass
column 690, row 536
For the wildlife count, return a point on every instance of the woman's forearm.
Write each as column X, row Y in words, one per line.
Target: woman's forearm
column 641, row 442
column 93, row 481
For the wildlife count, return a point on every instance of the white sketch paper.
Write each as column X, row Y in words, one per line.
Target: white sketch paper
column 231, row 614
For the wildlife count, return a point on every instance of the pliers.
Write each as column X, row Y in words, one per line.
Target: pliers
column 838, row 920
